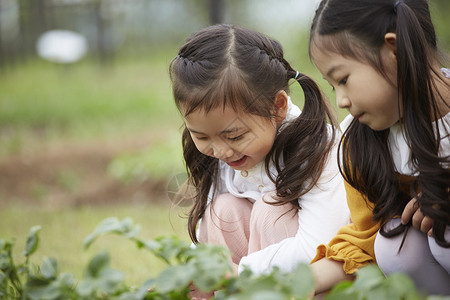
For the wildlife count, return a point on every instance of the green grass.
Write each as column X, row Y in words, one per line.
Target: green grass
column 63, row 231
column 45, row 94
column 44, row 101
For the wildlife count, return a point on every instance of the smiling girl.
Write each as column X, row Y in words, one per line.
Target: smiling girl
column 266, row 175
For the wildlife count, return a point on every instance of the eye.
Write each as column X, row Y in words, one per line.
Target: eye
column 343, row 81
column 236, row 138
column 201, row 138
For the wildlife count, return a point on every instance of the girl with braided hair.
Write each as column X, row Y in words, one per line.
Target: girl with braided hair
column 265, row 173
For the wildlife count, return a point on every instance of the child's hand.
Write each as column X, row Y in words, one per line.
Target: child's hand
column 196, row 294
column 419, row 221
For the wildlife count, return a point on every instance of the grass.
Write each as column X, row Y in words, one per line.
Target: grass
column 63, row 231
column 40, row 100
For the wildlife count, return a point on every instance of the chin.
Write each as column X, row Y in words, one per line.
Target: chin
column 380, row 127
column 377, row 128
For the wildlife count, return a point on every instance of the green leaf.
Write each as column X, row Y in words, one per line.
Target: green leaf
column 85, row 288
column 267, row 295
column 302, row 282
column 401, row 286
column 5, row 254
column 5, row 261
column 49, row 268
column 211, row 264
column 129, row 296
column 38, row 287
column 125, row 227
column 2, row 278
column 175, row 278
column 100, row 277
column 48, row 292
column 99, row 262
column 379, row 293
column 32, row 241
column 66, row 281
column 143, row 290
column 368, row 278
column 171, row 249
column 342, row 290
column 110, row 281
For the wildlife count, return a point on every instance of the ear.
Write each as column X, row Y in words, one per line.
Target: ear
column 280, row 106
column 390, row 40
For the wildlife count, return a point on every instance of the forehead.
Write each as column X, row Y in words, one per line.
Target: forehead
column 339, row 44
column 329, row 53
column 219, row 120
column 327, row 61
column 215, row 118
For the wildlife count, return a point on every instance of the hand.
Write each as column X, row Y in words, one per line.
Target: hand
column 196, row 294
column 327, row 273
column 420, row 222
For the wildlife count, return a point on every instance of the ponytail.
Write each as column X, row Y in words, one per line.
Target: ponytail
column 303, row 144
column 416, row 85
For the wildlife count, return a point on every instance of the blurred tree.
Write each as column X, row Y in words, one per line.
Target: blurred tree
column 216, row 11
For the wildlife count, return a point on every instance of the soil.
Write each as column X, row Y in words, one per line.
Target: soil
column 74, row 173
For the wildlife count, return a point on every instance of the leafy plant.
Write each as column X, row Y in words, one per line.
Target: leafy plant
column 205, row 266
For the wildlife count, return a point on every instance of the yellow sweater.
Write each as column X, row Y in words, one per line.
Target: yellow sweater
column 353, row 244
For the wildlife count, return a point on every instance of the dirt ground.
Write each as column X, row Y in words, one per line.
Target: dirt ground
column 71, row 173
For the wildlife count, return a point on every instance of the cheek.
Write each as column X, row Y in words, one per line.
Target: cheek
column 265, row 143
column 200, row 145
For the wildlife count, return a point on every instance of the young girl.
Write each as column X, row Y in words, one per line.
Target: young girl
column 382, row 60
column 268, row 186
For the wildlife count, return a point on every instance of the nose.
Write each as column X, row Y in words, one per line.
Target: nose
column 222, row 150
column 342, row 100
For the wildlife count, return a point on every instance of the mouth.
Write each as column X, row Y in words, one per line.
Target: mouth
column 358, row 117
column 238, row 163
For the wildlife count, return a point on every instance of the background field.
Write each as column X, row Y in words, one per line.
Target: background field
column 82, row 144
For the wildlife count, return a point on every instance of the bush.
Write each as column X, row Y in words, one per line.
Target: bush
column 205, row 266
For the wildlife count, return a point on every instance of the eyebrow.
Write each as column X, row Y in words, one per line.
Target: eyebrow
column 230, row 130
column 333, row 69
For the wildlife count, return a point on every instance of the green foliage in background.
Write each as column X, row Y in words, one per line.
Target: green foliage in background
column 205, row 266
column 44, row 102
column 159, row 161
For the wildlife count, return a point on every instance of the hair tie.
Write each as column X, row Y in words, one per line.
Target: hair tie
column 296, row 75
column 397, row 3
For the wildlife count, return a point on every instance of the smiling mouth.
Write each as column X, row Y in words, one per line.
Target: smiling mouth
column 237, row 163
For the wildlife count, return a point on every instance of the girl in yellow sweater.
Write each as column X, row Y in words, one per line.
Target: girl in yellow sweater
column 382, row 60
